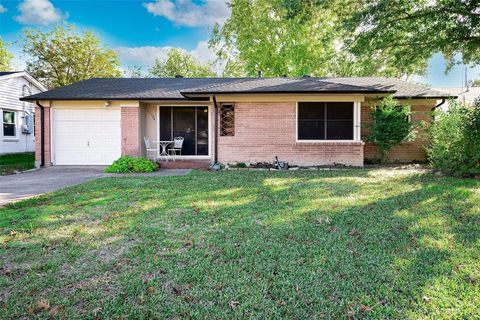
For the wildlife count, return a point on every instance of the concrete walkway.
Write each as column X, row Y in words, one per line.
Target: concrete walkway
column 29, row 184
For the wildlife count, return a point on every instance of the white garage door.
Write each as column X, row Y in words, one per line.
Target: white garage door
column 86, row 136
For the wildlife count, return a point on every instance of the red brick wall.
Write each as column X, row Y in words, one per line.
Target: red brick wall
column 406, row 152
column 38, row 137
column 266, row 130
column 130, row 131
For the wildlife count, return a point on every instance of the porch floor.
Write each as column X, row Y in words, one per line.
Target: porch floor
column 184, row 164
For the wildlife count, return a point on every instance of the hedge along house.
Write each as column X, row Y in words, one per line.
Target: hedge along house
column 306, row 121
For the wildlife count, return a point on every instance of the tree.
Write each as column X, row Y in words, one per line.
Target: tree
column 5, row 57
column 454, row 147
column 295, row 38
column 476, row 83
column 133, row 72
column 62, row 56
column 390, row 125
column 413, row 30
column 180, row 63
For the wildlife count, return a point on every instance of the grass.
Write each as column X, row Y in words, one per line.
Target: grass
column 9, row 163
column 371, row 244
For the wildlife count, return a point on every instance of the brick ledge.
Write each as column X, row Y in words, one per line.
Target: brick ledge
column 330, row 143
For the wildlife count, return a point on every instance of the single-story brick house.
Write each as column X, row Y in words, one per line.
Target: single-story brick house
column 306, row 121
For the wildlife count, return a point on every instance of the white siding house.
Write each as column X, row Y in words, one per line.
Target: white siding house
column 17, row 117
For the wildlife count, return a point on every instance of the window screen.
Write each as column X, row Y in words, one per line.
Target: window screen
column 325, row 121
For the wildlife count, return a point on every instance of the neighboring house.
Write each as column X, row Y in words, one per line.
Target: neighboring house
column 306, row 121
column 17, row 133
column 464, row 95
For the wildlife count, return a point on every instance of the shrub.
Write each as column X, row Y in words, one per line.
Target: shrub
column 390, row 125
column 454, row 147
column 128, row 164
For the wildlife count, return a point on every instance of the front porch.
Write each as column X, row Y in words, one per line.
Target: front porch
column 164, row 122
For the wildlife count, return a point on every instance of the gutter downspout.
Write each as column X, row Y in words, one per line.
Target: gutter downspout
column 215, row 155
column 437, row 106
column 42, row 133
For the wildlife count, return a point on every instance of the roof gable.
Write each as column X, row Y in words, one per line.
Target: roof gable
column 13, row 74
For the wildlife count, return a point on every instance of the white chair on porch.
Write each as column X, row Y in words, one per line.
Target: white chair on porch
column 151, row 152
column 177, row 146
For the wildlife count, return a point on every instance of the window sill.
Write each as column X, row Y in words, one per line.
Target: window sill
column 331, row 142
column 11, row 139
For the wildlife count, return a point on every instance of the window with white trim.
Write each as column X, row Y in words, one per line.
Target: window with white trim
column 9, row 124
column 325, row 121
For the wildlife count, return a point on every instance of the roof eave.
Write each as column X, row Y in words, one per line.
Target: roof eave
column 426, row 97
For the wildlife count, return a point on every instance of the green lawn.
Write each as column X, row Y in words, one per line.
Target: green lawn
column 9, row 163
column 263, row 245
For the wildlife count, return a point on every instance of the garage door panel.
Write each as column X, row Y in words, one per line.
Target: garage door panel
column 86, row 136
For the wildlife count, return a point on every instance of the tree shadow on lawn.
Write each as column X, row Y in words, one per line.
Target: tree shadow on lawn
column 255, row 245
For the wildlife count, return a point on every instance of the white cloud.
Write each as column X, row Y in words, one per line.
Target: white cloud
column 40, row 12
column 2, row 9
column 188, row 13
column 145, row 56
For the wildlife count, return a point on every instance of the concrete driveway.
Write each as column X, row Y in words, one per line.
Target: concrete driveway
column 29, row 184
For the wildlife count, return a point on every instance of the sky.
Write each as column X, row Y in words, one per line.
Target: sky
column 142, row 30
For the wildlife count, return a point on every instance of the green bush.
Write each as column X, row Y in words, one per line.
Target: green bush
column 390, row 125
column 128, row 164
column 455, row 146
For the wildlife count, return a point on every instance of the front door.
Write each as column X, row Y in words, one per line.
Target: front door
column 191, row 123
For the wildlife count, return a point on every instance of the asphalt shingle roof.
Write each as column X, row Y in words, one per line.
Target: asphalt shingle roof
column 182, row 88
column 6, row 73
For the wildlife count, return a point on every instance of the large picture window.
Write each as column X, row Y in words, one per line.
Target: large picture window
column 9, row 124
column 325, row 121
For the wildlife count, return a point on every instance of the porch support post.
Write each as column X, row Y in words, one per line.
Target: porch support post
column 357, row 111
column 215, row 156
column 130, row 130
column 42, row 135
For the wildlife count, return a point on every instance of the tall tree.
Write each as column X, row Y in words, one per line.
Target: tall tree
column 180, row 63
column 300, row 37
column 413, row 30
column 5, row 57
column 62, row 56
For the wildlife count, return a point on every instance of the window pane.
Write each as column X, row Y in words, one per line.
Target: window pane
column 166, row 124
column 311, row 120
column 311, row 110
column 9, row 130
column 340, row 121
column 8, row 117
column 339, row 130
column 202, row 131
column 311, row 130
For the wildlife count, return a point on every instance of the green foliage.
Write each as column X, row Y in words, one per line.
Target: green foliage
column 5, row 57
column 390, row 125
column 455, row 145
column 62, row 56
column 476, row 83
column 133, row 72
column 411, row 31
column 128, row 164
column 180, row 63
column 295, row 38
